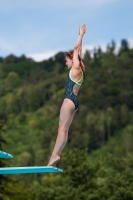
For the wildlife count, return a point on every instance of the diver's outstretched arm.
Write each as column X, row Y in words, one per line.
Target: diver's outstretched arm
column 80, row 48
column 78, row 45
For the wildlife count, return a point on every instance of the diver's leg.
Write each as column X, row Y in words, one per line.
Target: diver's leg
column 66, row 116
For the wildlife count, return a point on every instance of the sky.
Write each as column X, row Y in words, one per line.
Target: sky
column 40, row 28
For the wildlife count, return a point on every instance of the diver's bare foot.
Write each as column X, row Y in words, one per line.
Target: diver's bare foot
column 53, row 160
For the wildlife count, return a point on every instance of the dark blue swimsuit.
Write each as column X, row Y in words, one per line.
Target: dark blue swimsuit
column 69, row 94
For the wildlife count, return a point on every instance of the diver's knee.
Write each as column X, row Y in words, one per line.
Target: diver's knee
column 63, row 127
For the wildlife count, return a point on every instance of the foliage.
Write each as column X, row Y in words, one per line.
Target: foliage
column 84, row 178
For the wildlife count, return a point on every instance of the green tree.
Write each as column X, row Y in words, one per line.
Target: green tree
column 4, row 190
column 119, row 183
column 124, row 46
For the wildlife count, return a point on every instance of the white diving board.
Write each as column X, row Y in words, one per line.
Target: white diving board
column 5, row 155
column 29, row 170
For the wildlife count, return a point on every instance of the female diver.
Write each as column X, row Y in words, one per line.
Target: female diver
column 70, row 103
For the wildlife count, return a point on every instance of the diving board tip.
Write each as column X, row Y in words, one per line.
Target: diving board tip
column 5, row 155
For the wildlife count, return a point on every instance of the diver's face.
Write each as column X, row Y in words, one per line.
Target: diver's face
column 69, row 62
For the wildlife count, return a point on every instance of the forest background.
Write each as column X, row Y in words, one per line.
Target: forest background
column 97, row 160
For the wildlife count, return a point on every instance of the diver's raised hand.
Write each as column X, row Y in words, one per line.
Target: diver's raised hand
column 82, row 29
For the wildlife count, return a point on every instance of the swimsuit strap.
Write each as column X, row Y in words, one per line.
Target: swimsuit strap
column 77, row 82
